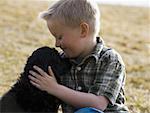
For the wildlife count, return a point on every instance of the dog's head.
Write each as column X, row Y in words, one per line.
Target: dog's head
column 31, row 98
column 44, row 57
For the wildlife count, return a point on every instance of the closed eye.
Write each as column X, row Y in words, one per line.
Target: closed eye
column 59, row 38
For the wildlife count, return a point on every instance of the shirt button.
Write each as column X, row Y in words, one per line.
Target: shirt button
column 78, row 68
column 79, row 88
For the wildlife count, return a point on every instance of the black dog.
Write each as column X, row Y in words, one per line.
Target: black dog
column 23, row 96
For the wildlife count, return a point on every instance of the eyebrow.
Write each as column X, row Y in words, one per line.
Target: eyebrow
column 56, row 36
column 50, row 30
column 53, row 33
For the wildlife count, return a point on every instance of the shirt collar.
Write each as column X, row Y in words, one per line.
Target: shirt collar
column 96, row 53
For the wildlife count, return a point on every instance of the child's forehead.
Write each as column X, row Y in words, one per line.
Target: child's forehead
column 55, row 26
column 52, row 23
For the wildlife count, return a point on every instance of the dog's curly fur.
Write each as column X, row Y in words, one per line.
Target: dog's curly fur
column 23, row 96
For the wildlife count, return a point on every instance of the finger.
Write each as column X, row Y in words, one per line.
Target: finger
column 34, row 73
column 50, row 71
column 33, row 79
column 35, row 84
column 43, row 73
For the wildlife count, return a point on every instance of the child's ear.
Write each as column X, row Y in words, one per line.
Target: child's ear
column 84, row 29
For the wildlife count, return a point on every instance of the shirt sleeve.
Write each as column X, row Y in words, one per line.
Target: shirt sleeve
column 109, row 76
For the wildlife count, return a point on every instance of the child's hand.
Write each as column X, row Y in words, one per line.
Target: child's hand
column 43, row 81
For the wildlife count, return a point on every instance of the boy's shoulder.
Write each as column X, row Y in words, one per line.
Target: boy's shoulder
column 110, row 55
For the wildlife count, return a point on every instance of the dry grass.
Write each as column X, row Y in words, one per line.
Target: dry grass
column 123, row 28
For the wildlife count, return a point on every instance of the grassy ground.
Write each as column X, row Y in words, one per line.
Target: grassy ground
column 124, row 28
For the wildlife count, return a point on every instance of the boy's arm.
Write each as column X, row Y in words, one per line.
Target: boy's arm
column 75, row 98
column 80, row 99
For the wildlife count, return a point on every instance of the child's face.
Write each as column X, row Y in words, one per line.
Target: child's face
column 68, row 39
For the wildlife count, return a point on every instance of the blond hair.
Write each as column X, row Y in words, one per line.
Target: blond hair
column 73, row 12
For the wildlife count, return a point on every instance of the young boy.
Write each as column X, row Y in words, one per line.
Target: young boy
column 96, row 79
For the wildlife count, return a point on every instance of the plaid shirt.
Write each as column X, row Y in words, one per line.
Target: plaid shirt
column 100, row 73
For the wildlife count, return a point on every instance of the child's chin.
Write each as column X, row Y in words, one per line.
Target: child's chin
column 66, row 55
column 69, row 56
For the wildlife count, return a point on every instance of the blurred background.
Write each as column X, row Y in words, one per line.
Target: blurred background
column 125, row 26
